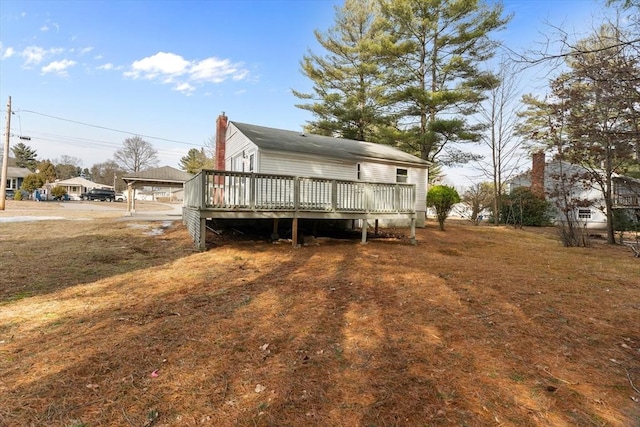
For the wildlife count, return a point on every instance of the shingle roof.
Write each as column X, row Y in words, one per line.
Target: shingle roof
column 324, row 146
column 161, row 174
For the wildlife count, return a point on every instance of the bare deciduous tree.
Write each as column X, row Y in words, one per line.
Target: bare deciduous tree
column 136, row 154
column 499, row 113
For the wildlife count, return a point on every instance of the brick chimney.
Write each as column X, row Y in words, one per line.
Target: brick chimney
column 221, row 140
column 537, row 174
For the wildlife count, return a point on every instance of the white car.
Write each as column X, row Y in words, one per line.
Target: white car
column 120, row 197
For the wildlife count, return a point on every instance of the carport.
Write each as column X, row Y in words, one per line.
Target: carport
column 164, row 176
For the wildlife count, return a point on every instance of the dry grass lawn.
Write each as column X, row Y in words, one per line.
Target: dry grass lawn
column 104, row 322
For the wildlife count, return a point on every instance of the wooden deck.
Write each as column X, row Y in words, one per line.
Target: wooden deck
column 240, row 195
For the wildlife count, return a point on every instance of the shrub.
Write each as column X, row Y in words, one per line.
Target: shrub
column 442, row 198
column 522, row 207
column 58, row 192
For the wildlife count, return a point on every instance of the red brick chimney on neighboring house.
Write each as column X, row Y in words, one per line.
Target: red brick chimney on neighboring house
column 537, row 174
column 221, row 140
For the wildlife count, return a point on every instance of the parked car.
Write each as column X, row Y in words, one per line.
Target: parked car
column 10, row 194
column 120, row 197
column 99, row 194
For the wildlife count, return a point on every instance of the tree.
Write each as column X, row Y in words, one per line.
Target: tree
column 604, row 96
column 442, row 198
column 47, row 171
column 434, row 51
column 500, row 114
column 108, row 173
column 136, row 154
column 26, row 157
column 32, row 182
column 68, row 167
column 194, row 161
column 479, row 197
column 348, row 98
column 562, row 46
column 593, row 114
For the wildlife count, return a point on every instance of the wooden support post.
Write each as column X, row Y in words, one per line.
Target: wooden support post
column 275, row 235
column 294, row 232
column 364, row 231
column 412, row 239
column 375, row 231
column 202, row 241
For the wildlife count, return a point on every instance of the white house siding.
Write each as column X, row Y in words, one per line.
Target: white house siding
column 238, row 151
column 282, row 163
column 385, row 172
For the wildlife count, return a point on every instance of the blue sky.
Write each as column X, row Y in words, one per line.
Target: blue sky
column 165, row 70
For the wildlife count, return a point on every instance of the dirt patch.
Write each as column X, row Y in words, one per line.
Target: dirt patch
column 106, row 324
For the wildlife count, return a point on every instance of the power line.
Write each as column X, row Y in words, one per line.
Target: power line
column 108, row 128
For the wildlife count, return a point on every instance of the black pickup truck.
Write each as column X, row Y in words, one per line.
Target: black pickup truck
column 99, row 194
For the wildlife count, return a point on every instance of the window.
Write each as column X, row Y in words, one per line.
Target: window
column 359, row 176
column 584, row 213
column 401, row 175
column 251, row 162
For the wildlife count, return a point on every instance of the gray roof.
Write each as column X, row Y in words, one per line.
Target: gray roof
column 323, row 146
column 16, row 172
column 164, row 174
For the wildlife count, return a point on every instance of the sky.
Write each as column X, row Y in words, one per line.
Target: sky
column 85, row 75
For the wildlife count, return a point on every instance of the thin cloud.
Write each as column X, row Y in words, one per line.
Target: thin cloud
column 108, row 66
column 170, row 68
column 44, row 28
column 7, row 53
column 185, row 88
column 33, row 55
column 58, row 67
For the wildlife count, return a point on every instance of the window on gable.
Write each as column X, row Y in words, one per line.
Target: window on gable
column 359, row 176
column 401, row 175
column 584, row 213
column 251, row 162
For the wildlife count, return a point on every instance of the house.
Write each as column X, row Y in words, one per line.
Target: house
column 15, row 176
column 78, row 185
column 547, row 178
column 263, row 172
column 258, row 149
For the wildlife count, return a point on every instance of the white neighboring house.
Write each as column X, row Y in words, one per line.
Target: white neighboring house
column 587, row 196
column 258, row 149
column 78, row 185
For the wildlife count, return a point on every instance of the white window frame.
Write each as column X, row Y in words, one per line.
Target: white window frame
column 402, row 175
column 584, row 213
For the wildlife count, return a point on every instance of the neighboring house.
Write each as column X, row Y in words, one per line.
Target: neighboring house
column 78, row 185
column 585, row 195
column 264, row 150
column 15, row 176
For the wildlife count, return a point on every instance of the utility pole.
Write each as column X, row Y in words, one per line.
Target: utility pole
column 5, row 158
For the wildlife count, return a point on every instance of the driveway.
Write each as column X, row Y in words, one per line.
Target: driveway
column 27, row 210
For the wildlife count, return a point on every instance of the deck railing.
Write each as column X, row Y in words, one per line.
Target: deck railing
column 241, row 191
column 626, row 201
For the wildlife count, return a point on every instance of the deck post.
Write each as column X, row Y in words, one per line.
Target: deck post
column 294, row 232
column 364, row 231
column 412, row 238
column 202, row 243
column 375, row 232
column 274, row 234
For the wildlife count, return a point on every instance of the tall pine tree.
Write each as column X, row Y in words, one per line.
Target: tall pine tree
column 348, row 98
column 434, row 53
